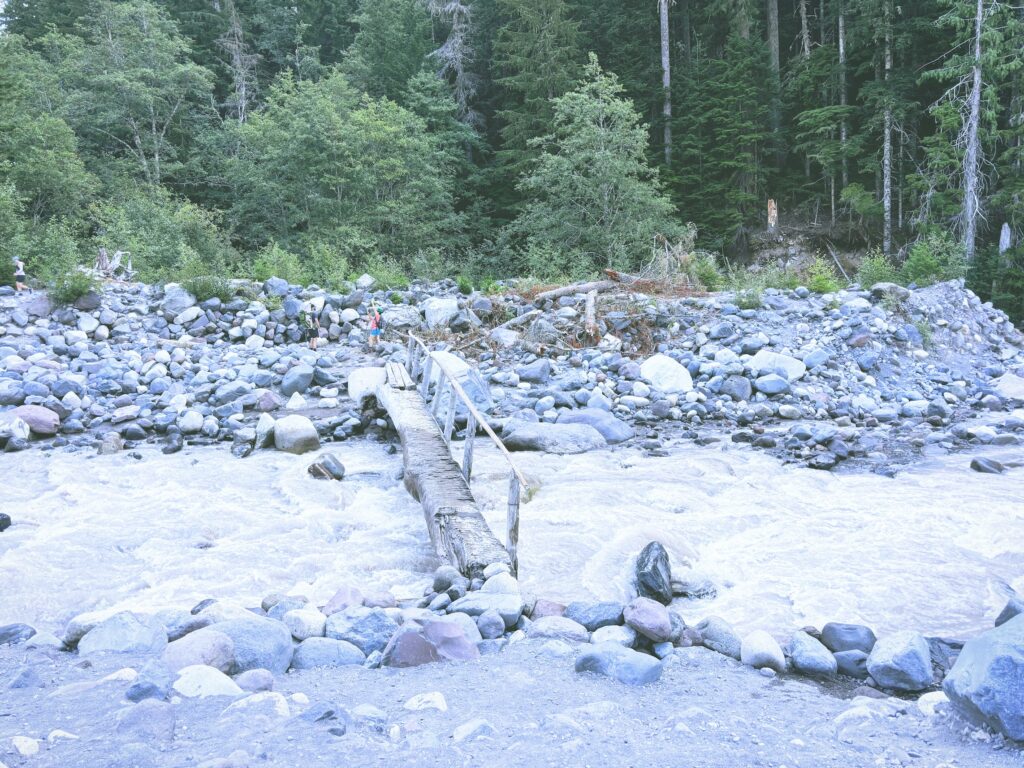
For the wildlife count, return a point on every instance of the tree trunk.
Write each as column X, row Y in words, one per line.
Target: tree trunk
column 773, row 51
column 887, row 140
column 666, row 81
column 843, row 129
column 972, row 155
column 805, row 31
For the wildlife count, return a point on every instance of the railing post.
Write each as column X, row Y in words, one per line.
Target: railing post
column 428, row 368
column 449, row 420
column 467, row 450
column 513, row 522
column 442, row 383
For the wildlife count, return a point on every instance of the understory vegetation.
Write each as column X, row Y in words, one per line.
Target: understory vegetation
column 487, row 139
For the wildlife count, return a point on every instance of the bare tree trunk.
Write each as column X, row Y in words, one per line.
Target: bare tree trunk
column 843, row 129
column 887, row 140
column 241, row 63
column 972, row 155
column 773, row 52
column 821, row 19
column 666, row 81
column 805, row 31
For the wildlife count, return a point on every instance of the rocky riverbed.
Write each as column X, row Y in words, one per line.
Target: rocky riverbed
column 663, row 432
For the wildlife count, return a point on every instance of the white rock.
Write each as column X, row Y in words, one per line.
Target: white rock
column 440, row 310
column 304, row 623
column 266, row 703
column 1009, row 386
column 473, row 729
column 363, row 383
column 190, row 422
column 759, row 650
column 765, row 362
column 25, row 746
column 432, row 700
column 666, row 375
column 200, row 681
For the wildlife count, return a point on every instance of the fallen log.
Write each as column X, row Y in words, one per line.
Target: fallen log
column 457, row 530
column 568, row 290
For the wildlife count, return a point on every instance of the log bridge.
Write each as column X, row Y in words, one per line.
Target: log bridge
column 425, row 423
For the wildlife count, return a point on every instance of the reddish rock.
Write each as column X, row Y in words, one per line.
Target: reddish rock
column 408, row 648
column 42, row 421
column 544, row 608
column 650, row 618
column 345, row 597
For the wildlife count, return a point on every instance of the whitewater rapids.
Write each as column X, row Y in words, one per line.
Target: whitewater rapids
column 930, row 550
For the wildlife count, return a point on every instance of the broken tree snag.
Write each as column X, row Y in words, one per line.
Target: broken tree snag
column 457, row 530
column 773, row 217
column 569, row 290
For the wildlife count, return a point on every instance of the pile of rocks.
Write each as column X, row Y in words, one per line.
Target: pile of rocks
column 818, row 379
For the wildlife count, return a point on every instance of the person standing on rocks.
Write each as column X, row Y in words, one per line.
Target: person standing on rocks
column 311, row 321
column 20, row 280
column 373, row 319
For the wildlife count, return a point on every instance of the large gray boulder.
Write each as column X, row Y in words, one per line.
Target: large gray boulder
column 838, row 637
column 260, row 643
column 902, row 662
column 177, row 299
column 440, row 310
column 295, row 434
column 986, row 684
column 368, row 629
column 297, row 379
column 765, row 362
column 554, row 438
column 326, row 652
column 611, row 429
column 623, row 664
column 718, row 635
column 124, row 633
column 811, row 657
column 467, row 376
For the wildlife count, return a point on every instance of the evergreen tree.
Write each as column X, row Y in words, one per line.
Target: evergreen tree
column 592, row 199
column 391, row 46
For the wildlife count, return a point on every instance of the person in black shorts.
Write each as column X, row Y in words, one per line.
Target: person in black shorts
column 20, row 279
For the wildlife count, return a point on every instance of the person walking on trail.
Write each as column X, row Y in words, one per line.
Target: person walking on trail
column 311, row 323
column 20, row 280
column 373, row 319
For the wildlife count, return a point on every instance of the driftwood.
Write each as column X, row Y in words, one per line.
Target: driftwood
column 569, row 290
column 590, row 317
column 457, row 529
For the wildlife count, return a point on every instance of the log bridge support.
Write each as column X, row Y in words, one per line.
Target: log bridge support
column 458, row 531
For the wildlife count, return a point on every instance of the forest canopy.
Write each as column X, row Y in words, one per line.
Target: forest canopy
column 506, row 137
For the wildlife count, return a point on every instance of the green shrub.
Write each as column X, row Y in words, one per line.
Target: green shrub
column 71, row 286
column 328, row 266
column 275, row 261
column 749, row 298
column 705, row 273
column 465, row 285
column 876, row 268
column 387, row 272
column 933, row 259
column 925, row 329
column 821, row 277
column 208, row 286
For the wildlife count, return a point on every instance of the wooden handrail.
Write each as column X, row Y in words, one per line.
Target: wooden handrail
column 472, row 409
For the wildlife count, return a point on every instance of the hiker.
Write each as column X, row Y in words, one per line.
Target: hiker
column 311, row 321
column 373, row 319
column 20, row 281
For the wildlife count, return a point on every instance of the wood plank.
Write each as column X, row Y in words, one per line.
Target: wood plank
column 457, row 530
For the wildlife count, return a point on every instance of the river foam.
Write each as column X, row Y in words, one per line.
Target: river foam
column 786, row 546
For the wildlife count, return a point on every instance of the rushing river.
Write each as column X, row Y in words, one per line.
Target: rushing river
column 786, row 547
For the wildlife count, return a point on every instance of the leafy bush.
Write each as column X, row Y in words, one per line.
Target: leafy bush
column 876, row 268
column 465, row 285
column 387, row 272
column 749, row 298
column 71, row 286
column 705, row 272
column 933, row 259
column 821, row 277
column 208, row 286
column 328, row 266
column 275, row 261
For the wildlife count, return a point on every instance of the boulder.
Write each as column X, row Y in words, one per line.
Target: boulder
column 852, row 663
column 326, row 652
column 760, row 650
column 1014, row 607
column 536, row 372
column 401, row 316
column 623, row 664
column 368, row 629
column 124, row 633
column 408, row 648
column 718, row 635
column 439, row 311
column 260, row 643
column 902, row 662
column 40, row 420
column 666, row 375
column 654, row 573
column 363, row 383
column 176, row 299
column 839, row 637
column 558, row 628
column 554, row 438
column 327, row 467
column 771, row 384
column 206, row 647
column 1009, row 386
column 649, row 618
column 811, row 657
column 765, row 362
column 15, row 634
column 612, row 429
column 297, row 379
column 295, row 434
column 986, row 685
column 467, row 376
column 595, row 615
column 201, row 682
column 305, row 623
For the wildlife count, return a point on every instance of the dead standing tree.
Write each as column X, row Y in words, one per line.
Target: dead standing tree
column 455, row 56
